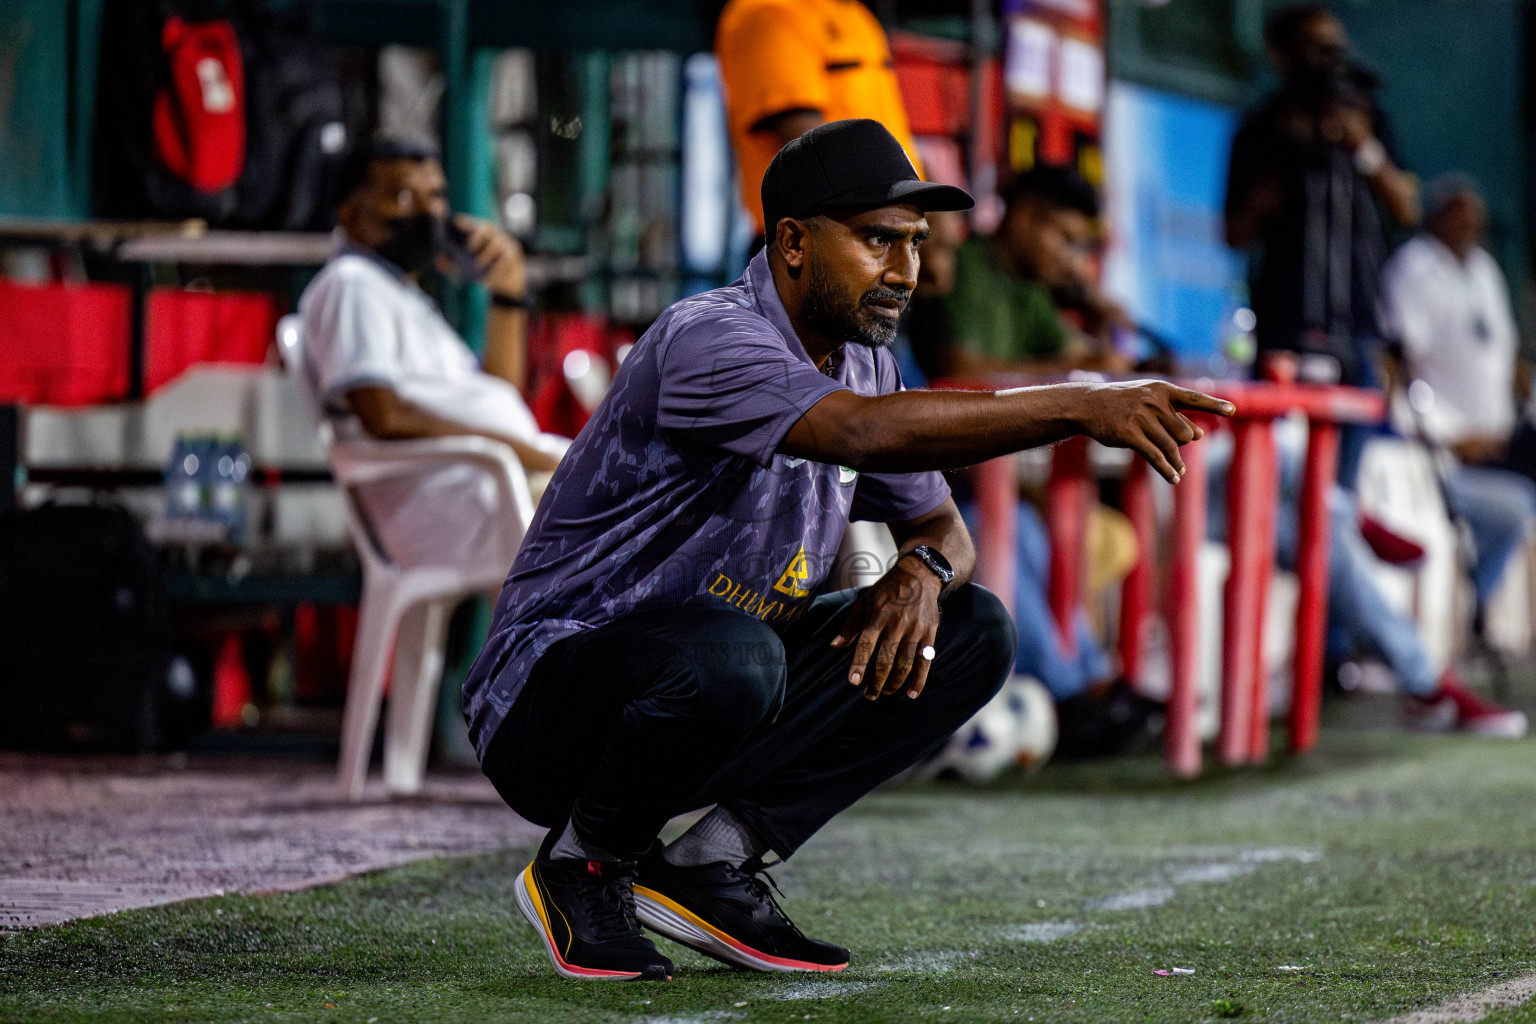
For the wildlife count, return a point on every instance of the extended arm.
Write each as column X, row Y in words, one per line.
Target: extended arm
column 388, row 417
column 911, row 431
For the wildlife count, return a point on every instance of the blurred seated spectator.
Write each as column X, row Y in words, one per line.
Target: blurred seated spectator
column 1001, row 313
column 1446, row 301
column 1360, row 618
column 383, row 363
column 990, row 306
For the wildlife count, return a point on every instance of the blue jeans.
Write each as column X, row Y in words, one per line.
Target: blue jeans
column 1498, row 507
column 1039, row 653
column 1359, row 617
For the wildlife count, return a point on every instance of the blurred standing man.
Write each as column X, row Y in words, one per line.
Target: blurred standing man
column 1309, row 167
column 1446, row 302
column 790, row 65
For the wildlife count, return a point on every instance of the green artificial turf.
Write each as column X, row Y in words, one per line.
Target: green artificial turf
column 1384, row 873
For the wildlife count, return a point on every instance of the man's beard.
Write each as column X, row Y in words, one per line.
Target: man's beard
column 849, row 323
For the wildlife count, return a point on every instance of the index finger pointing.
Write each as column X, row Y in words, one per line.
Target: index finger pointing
column 1183, row 398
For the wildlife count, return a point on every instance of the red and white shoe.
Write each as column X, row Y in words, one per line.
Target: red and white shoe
column 1453, row 707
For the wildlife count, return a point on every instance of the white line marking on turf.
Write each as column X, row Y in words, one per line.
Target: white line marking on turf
column 1218, row 872
column 1272, row 854
column 937, row 962
column 1210, row 872
column 822, row 989
column 1043, row 931
column 1136, row 899
column 1476, row 1005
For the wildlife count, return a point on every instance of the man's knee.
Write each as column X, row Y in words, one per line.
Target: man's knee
column 736, row 670
column 979, row 624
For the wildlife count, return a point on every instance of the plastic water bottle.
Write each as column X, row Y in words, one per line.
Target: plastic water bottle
column 1238, row 345
column 183, row 482
column 205, row 446
column 229, row 471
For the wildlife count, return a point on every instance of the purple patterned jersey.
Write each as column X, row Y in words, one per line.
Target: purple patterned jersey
column 674, row 493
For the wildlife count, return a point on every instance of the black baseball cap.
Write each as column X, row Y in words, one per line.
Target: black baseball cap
column 853, row 163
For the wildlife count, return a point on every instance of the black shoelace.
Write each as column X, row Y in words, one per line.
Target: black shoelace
column 762, row 886
column 611, row 907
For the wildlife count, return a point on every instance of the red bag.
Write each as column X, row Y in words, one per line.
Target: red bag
column 199, row 113
column 183, row 328
column 553, row 338
column 64, row 344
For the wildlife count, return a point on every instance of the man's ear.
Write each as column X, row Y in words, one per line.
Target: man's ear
column 790, row 236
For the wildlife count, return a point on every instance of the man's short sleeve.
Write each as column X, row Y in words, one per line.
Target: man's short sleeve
column 771, row 62
column 895, row 497
column 1253, row 156
column 729, row 382
column 350, row 339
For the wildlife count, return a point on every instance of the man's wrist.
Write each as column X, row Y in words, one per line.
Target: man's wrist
column 509, row 300
column 934, row 565
column 1370, row 157
column 926, row 580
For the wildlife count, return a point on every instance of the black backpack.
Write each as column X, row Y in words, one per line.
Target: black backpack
column 304, row 105
column 86, row 654
column 127, row 180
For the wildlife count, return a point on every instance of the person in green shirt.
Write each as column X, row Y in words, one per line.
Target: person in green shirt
column 998, row 312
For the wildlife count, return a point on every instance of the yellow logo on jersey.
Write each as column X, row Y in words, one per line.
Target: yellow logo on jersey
column 798, row 573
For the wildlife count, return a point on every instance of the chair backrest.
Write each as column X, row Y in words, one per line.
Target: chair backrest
column 290, row 342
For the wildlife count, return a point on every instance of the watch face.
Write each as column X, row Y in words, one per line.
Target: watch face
column 936, row 561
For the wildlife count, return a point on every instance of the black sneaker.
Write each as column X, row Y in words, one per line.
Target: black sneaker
column 728, row 913
column 1108, row 723
column 585, row 913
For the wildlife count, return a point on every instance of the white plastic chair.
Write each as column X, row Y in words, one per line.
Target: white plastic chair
column 405, row 611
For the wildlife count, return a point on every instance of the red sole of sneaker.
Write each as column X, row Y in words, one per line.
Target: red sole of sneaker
column 679, row 924
column 532, row 906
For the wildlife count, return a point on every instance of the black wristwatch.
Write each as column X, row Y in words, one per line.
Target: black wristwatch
column 937, row 564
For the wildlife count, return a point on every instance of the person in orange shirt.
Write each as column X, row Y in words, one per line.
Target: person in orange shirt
column 790, row 65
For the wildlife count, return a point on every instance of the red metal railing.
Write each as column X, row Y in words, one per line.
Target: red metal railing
column 1252, row 497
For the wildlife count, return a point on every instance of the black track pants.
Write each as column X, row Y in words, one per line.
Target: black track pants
column 623, row 726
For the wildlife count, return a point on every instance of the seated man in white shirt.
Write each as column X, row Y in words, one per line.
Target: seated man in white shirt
column 1446, row 301
column 383, row 362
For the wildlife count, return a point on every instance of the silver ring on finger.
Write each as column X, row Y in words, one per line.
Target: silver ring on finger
column 929, row 653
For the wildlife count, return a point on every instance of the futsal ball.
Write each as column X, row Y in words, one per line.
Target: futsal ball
column 1034, row 713
column 1017, row 727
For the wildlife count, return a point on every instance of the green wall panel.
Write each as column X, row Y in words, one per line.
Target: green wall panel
column 1453, row 72
column 35, row 136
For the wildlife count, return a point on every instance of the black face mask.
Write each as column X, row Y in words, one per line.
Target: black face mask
column 413, row 241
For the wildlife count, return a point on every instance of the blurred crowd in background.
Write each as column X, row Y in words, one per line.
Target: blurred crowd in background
column 505, row 220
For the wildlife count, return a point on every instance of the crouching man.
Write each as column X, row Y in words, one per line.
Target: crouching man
column 662, row 642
